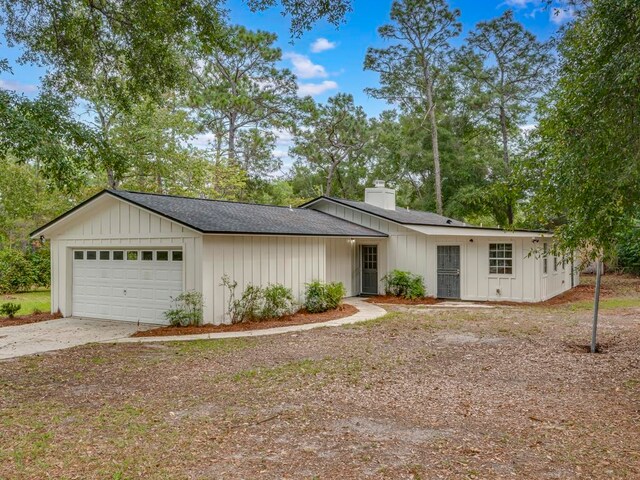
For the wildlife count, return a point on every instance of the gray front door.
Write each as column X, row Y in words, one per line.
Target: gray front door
column 370, row 269
column 448, row 271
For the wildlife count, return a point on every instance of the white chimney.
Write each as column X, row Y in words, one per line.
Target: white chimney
column 380, row 196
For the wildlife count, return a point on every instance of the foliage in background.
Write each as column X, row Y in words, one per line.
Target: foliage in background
column 320, row 296
column 400, row 283
column 16, row 274
column 239, row 92
column 507, row 67
column 412, row 66
column 26, row 201
column 586, row 174
column 333, row 141
column 186, row 309
column 39, row 259
column 628, row 251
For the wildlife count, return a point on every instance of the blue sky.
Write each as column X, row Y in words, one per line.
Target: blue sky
column 338, row 68
column 327, row 59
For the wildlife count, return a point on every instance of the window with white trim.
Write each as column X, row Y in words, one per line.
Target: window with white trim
column 500, row 258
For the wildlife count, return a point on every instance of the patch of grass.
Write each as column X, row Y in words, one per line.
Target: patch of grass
column 218, row 346
column 632, row 383
column 374, row 322
column 32, row 448
column 607, row 303
column 29, row 301
column 97, row 360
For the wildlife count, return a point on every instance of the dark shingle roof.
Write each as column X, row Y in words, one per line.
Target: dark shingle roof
column 399, row 215
column 411, row 217
column 216, row 216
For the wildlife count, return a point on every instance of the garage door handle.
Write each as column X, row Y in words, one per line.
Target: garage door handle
column 125, row 293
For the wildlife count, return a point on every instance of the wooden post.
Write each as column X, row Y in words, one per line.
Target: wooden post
column 596, row 305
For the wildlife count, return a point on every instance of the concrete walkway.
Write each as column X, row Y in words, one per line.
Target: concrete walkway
column 366, row 311
column 20, row 340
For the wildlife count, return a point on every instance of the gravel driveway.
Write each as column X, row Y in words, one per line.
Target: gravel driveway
column 59, row 334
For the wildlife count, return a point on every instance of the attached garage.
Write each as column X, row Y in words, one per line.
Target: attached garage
column 131, row 285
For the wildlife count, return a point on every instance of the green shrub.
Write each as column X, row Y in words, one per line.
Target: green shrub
column 9, row 309
column 16, row 274
column 186, row 309
column 320, row 296
column 278, row 301
column 404, row 284
column 257, row 303
column 248, row 308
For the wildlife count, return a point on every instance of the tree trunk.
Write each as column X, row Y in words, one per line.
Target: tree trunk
column 505, row 157
column 232, row 139
column 596, row 306
column 332, row 171
column 111, row 179
column 434, row 143
column 105, row 123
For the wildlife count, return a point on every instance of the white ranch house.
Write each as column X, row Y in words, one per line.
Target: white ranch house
column 121, row 255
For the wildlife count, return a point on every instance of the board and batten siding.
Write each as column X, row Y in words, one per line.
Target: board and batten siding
column 111, row 223
column 415, row 251
column 258, row 260
column 342, row 265
column 557, row 281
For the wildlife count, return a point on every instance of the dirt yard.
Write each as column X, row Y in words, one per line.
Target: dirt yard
column 423, row 393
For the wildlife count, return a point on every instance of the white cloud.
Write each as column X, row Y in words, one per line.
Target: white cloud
column 561, row 15
column 18, row 86
column 518, row 3
column 203, row 140
column 314, row 89
column 305, row 68
column 322, row 44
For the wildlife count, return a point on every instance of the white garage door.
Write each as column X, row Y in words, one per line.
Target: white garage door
column 131, row 285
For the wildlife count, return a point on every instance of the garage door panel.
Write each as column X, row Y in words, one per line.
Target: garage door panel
column 175, row 276
column 99, row 288
column 131, row 274
column 147, row 294
column 118, row 274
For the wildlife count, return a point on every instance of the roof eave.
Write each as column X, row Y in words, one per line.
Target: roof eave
column 272, row 234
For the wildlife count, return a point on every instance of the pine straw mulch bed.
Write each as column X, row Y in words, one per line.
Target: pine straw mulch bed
column 393, row 300
column 26, row 319
column 301, row 317
column 613, row 285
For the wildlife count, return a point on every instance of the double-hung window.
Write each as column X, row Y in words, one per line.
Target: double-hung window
column 500, row 258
